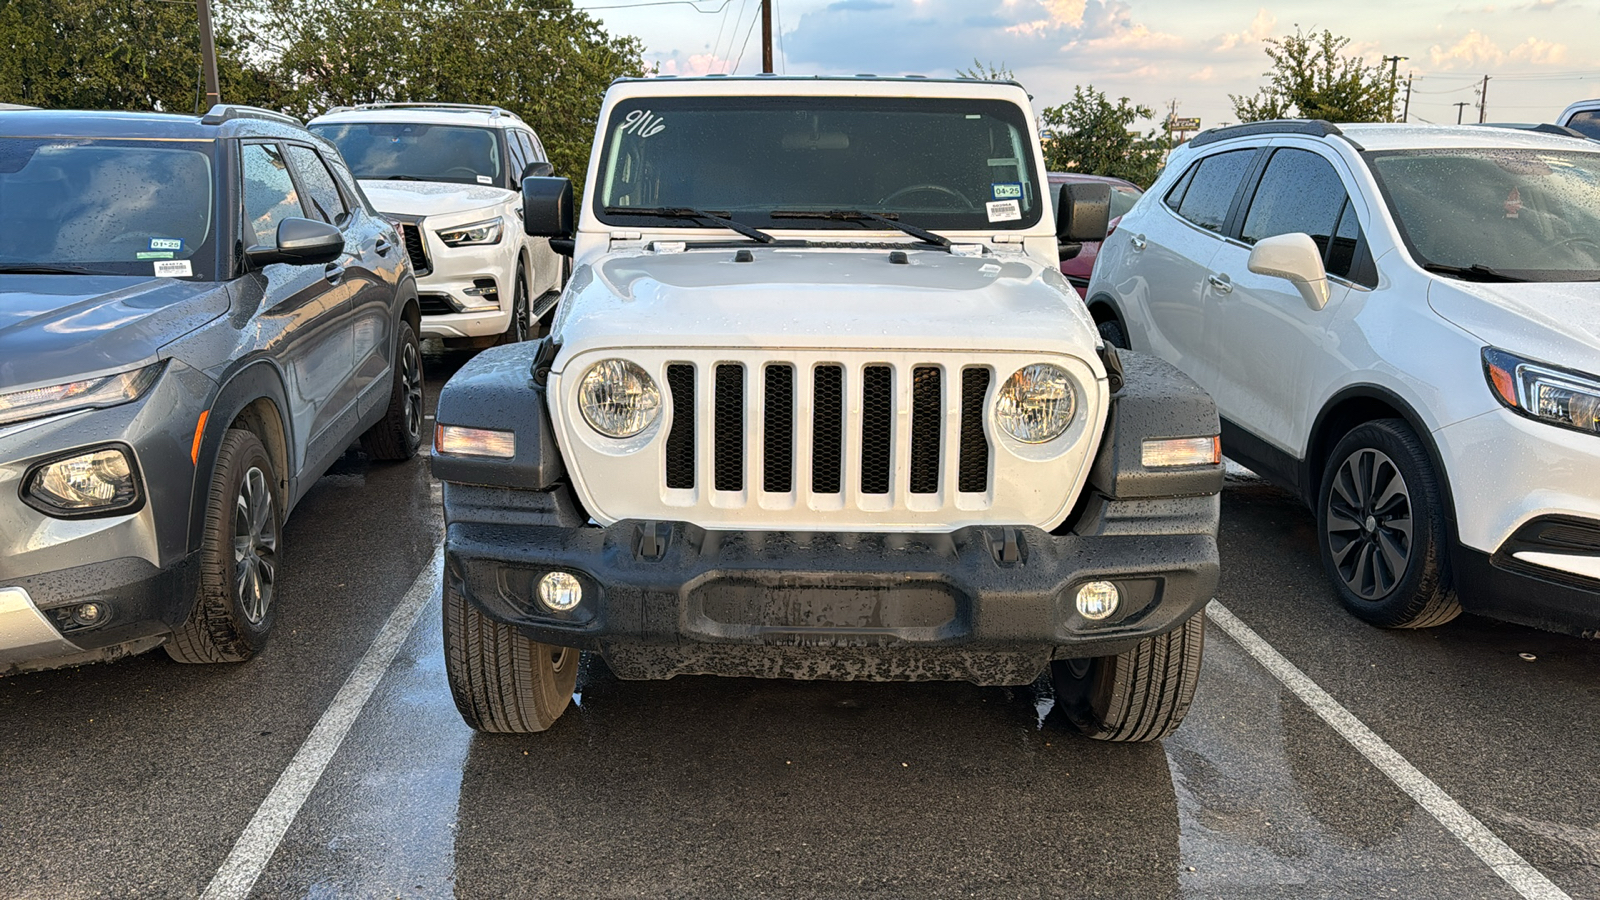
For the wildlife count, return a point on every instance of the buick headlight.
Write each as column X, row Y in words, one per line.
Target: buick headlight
column 618, row 398
column 485, row 232
column 99, row 481
column 1036, row 403
column 1544, row 392
column 90, row 393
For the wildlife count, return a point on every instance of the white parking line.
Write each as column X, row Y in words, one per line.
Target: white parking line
column 261, row 837
column 1506, row 862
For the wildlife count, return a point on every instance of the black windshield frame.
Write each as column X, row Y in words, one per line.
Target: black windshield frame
column 968, row 213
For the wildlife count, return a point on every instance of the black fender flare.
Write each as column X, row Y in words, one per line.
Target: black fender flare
column 1326, row 430
column 1104, row 299
column 256, row 380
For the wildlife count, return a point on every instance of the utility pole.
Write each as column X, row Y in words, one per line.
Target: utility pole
column 1483, row 100
column 1459, row 107
column 766, row 36
column 1394, row 80
column 1405, row 115
column 208, row 55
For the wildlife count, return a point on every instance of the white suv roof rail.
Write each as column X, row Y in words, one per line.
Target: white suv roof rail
column 461, row 107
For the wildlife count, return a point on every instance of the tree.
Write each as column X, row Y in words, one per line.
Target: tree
column 1089, row 134
column 106, row 54
column 542, row 59
column 1312, row 79
column 987, row 71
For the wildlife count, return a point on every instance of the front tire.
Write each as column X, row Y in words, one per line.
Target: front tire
column 501, row 680
column 519, row 328
column 233, row 610
column 1140, row 695
column 1111, row 332
column 399, row 433
column 1381, row 528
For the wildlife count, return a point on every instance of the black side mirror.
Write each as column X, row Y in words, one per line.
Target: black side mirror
column 1083, row 213
column 538, row 170
column 301, row 242
column 547, row 207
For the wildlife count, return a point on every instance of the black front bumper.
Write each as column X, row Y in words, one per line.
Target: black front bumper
column 989, row 605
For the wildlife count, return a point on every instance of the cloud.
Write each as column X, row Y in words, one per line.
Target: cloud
column 1476, row 50
column 692, row 64
column 1263, row 26
column 1205, row 74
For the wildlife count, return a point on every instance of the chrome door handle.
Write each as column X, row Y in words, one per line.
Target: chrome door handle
column 382, row 246
column 1222, row 283
column 333, row 272
column 1138, row 242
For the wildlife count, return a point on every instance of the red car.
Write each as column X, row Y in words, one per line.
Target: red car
column 1123, row 193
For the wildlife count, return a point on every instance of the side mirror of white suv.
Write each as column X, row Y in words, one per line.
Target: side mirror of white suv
column 1295, row 257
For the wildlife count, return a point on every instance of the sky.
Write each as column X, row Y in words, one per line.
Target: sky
column 1539, row 55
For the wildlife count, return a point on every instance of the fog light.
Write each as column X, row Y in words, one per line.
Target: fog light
column 560, row 591
column 1097, row 600
column 88, row 614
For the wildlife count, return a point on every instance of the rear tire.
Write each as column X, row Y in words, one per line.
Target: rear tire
column 399, row 433
column 1381, row 528
column 233, row 609
column 1140, row 695
column 501, row 680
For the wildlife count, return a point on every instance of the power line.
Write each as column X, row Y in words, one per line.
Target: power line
column 746, row 43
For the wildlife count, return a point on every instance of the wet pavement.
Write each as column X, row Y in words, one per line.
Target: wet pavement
column 135, row 779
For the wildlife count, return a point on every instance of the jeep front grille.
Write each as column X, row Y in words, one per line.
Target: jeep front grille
column 878, row 457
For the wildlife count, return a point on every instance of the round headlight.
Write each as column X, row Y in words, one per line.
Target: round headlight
column 1036, row 404
column 618, row 398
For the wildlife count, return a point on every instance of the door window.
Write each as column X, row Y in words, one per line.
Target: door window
column 1216, row 179
column 269, row 192
column 518, row 151
column 1301, row 192
column 319, row 186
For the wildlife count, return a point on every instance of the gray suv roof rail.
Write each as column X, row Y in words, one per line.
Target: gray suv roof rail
column 397, row 104
column 1313, row 127
column 227, row 112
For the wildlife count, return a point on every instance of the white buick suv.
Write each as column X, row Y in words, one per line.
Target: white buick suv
column 449, row 176
column 1402, row 324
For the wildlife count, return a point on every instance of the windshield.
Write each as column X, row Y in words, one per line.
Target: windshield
column 1529, row 214
column 105, row 207
column 407, row 151
column 937, row 163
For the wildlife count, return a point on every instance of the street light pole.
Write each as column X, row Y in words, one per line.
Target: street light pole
column 208, row 55
column 1394, row 80
column 766, row 36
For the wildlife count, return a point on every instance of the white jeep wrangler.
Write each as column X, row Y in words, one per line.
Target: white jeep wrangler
column 818, row 403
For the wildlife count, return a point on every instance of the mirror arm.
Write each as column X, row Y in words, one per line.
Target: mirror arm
column 564, row 246
column 1069, row 249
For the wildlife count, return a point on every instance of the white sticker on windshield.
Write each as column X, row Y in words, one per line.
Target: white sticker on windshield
column 173, row 268
column 484, row 179
column 643, row 123
column 1004, row 211
column 166, row 244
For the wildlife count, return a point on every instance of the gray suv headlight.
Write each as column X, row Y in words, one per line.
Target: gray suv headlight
column 95, row 482
column 619, row 399
column 1541, row 391
column 90, row 393
column 1036, row 404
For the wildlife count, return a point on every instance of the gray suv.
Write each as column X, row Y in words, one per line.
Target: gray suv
column 198, row 315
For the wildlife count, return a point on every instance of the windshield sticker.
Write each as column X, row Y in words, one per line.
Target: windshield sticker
column 642, row 122
column 484, row 179
column 1005, row 161
column 173, row 268
column 153, row 254
column 1004, row 211
column 1007, row 191
column 1513, row 204
column 166, row 244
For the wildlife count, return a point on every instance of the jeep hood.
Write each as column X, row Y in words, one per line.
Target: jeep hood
column 1551, row 322
column 824, row 298
column 430, row 198
column 55, row 328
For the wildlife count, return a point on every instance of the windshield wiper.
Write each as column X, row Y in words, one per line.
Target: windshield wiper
column 856, row 215
column 36, row 269
column 1473, row 272
column 403, row 178
column 684, row 212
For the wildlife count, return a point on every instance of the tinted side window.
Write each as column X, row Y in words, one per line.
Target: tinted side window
column 1586, row 123
column 1216, row 180
column 1174, row 197
column 269, row 192
column 1299, row 191
column 518, row 151
column 1342, row 249
column 351, row 189
column 322, row 192
column 538, row 149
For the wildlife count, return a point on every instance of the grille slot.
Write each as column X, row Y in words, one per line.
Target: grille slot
column 827, row 430
column 412, row 235
column 729, row 428
column 434, row 305
column 926, row 399
column 680, row 440
column 778, row 446
column 973, row 474
column 877, row 428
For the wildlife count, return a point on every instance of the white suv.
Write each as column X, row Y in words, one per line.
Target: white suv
column 449, row 176
column 1402, row 324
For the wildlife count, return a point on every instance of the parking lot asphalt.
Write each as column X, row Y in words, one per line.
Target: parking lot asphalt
column 137, row 778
